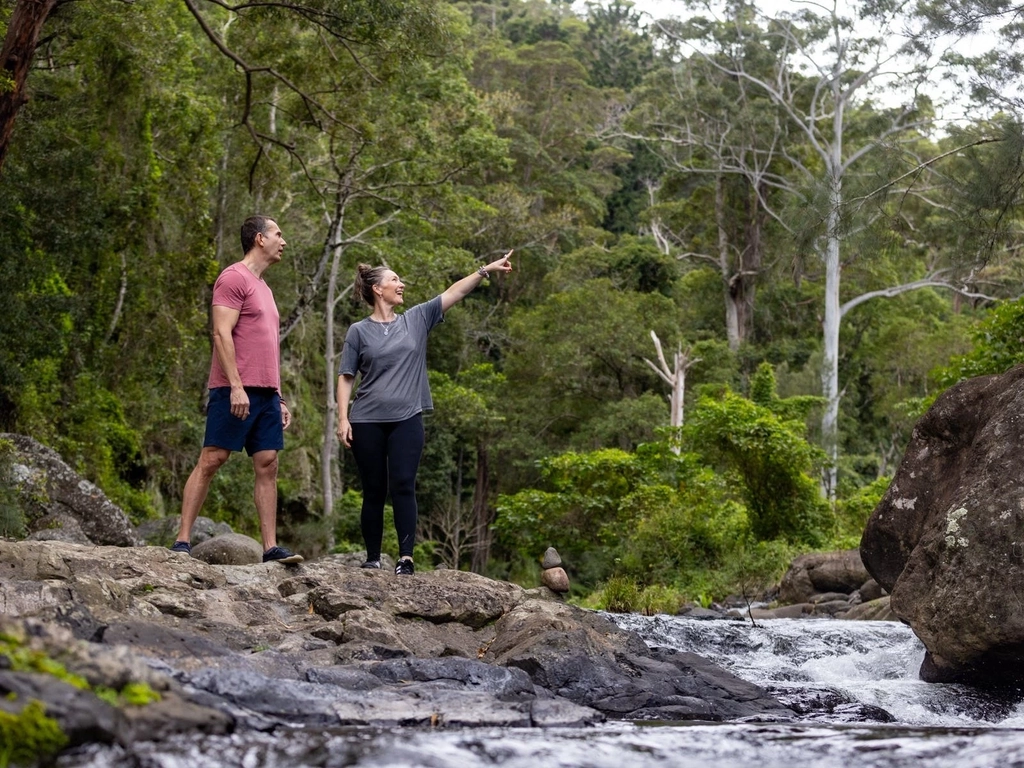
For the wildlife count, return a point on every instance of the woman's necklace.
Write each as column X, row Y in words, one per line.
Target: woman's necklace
column 387, row 326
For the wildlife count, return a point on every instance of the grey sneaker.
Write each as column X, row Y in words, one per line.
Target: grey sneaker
column 404, row 567
column 371, row 564
column 181, row 546
column 281, row 555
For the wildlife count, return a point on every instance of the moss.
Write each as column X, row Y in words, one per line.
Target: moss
column 24, row 659
column 139, row 694
column 29, row 736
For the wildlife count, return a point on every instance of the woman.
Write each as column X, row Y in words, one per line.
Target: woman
column 385, row 428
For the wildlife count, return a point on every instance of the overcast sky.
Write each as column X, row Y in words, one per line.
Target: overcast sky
column 942, row 92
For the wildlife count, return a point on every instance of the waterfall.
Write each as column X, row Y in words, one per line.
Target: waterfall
column 832, row 671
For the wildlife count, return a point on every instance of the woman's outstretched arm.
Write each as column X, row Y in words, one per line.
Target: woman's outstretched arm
column 460, row 290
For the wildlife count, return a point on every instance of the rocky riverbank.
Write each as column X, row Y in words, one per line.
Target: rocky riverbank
column 325, row 643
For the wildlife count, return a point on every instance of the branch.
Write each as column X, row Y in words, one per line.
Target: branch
column 896, row 290
column 920, row 167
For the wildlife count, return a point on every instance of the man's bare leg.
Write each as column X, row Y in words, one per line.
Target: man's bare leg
column 210, row 460
column 264, row 463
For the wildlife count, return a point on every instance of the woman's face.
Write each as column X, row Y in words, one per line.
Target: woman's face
column 391, row 289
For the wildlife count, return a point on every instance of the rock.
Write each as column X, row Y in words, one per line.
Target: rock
column 873, row 610
column 947, row 539
column 870, row 590
column 699, row 612
column 263, row 645
column 161, row 531
column 48, row 487
column 819, row 572
column 586, row 659
column 83, row 716
column 795, row 611
column 58, row 527
column 827, row 597
column 551, row 559
column 555, row 579
column 229, row 549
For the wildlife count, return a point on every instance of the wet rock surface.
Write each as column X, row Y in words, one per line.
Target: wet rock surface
column 325, row 643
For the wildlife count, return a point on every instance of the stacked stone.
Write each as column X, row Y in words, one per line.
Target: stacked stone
column 554, row 576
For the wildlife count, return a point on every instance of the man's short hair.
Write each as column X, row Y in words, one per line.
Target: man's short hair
column 250, row 228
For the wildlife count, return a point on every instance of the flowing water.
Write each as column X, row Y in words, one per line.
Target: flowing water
column 854, row 683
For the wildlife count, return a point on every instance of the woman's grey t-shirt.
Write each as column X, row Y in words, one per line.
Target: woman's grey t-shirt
column 392, row 368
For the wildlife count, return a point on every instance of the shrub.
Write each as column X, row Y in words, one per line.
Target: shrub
column 12, row 517
column 771, row 460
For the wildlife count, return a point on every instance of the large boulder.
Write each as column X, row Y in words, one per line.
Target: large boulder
column 947, row 539
column 49, row 490
column 820, row 573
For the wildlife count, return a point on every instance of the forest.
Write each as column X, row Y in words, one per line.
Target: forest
column 751, row 247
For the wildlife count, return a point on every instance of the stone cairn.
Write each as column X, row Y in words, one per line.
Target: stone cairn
column 554, row 576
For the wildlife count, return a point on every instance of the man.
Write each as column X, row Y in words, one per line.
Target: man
column 246, row 408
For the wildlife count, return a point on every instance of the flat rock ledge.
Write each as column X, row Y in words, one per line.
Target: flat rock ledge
column 326, row 644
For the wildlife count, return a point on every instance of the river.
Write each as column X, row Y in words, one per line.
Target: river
column 854, row 684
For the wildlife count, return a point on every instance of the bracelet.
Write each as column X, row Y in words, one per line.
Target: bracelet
column 482, row 272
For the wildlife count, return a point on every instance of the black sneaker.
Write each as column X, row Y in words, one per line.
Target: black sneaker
column 182, row 546
column 281, row 555
column 371, row 564
column 404, row 567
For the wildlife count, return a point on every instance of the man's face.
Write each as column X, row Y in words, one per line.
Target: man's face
column 272, row 242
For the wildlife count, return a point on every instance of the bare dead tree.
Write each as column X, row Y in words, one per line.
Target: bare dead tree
column 675, row 377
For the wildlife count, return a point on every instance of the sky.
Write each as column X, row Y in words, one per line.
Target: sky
column 948, row 97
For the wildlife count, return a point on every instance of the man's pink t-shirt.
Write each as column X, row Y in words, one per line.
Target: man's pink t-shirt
column 256, row 335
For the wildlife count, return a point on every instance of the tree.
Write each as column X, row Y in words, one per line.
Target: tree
column 822, row 80
column 722, row 142
column 674, row 376
column 772, row 460
column 19, row 48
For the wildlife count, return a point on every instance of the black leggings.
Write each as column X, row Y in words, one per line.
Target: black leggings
column 388, row 456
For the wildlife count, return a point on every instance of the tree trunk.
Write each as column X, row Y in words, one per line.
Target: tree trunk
column 329, row 447
column 19, row 49
column 732, row 310
column 481, row 511
column 750, row 263
column 830, row 337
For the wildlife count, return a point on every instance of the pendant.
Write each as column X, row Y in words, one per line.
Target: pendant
column 386, row 331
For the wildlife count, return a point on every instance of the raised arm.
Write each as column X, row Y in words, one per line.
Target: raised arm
column 460, row 290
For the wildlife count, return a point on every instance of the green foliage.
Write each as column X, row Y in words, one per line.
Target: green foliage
column 619, row 595
column 852, row 513
column 998, row 345
column 29, row 736
column 771, row 460
column 623, row 595
column 12, row 518
column 763, row 392
column 583, row 518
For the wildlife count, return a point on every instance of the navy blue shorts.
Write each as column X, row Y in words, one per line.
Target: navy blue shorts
column 262, row 431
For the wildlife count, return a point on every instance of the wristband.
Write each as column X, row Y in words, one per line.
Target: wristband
column 483, row 273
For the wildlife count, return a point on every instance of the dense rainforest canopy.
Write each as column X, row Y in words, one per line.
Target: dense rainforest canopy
column 777, row 221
